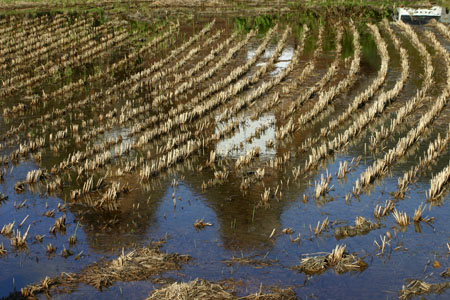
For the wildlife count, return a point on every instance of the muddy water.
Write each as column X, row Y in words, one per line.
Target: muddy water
column 240, row 227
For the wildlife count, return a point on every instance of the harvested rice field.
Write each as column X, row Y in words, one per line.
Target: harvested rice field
column 208, row 152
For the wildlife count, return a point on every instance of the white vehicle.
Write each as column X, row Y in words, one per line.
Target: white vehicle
column 419, row 15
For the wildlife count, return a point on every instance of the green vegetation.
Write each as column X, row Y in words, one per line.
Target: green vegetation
column 347, row 45
column 261, row 23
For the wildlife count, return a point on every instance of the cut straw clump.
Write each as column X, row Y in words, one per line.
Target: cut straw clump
column 418, row 215
column 274, row 294
column 338, row 259
column 50, row 248
column 30, row 290
column 19, row 187
column 320, row 227
column 401, row 218
column 384, row 240
column 247, row 158
column 110, row 199
column 200, row 224
column 7, row 229
column 322, row 187
column 33, row 176
column 221, row 175
column 265, row 199
column 2, row 250
column 139, row 264
column 19, row 241
column 251, row 261
column 3, row 197
column 196, row 289
column 207, row 290
column 60, row 225
column 419, row 287
column 437, row 184
column 343, row 169
column 362, row 226
column 381, row 211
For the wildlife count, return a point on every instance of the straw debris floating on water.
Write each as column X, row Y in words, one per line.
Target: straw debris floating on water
column 196, row 289
column 419, row 287
column 338, row 259
column 250, row 260
column 288, row 230
column 139, row 264
column 275, row 294
column 30, row 290
column 206, row 290
column 362, row 226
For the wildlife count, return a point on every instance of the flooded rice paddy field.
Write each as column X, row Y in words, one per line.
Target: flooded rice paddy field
column 265, row 156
